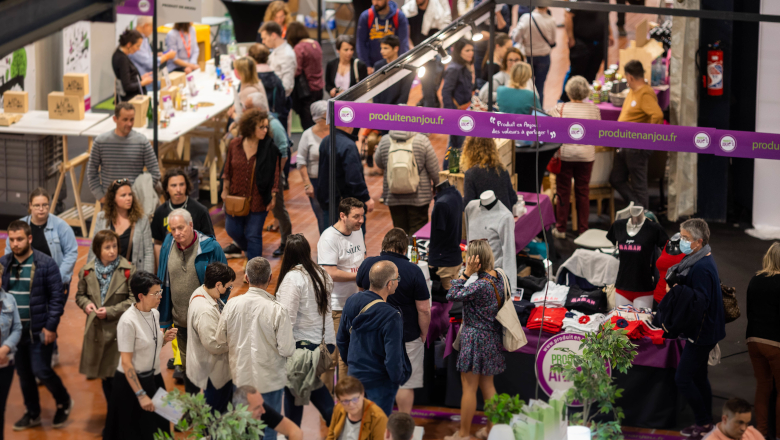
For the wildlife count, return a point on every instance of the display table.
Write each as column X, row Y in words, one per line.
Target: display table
column 176, row 137
column 38, row 122
column 527, row 226
column 611, row 113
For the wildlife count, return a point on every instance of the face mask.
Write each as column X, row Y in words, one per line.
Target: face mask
column 685, row 246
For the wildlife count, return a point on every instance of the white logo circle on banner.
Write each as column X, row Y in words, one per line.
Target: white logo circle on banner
column 728, row 143
column 701, row 140
column 466, row 123
column 576, row 131
column 143, row 6
column 346, row 114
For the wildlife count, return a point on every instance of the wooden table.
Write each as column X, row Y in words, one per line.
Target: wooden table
column 38, row 122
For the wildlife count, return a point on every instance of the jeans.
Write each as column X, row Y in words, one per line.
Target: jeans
column 247, row 232
column 540, row 65
column 281, row 214
column 6, row 378
column 218, row 399
column 322, row 222
column 33, row 360
column 766, row 368
column 274, row 400
column 181, row 342
column 431, row 81
column 383, row 395
column 581, row 172
column 320, row 398
column 629, row 175
column 409, row 218
column 692, row 381
column 585, row 59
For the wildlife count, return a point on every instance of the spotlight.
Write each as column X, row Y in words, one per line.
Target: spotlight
column 445, row 57
column 421, row 71
column 476, row 36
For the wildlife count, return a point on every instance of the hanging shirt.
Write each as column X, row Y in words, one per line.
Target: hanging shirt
column 637, row 254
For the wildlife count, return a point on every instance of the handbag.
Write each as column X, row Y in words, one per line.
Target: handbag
column 554, row 165
column 514, row 336
column 301, row 88
column 239, row 206
column 325, row 360
column 540, row 32
column 730, row 304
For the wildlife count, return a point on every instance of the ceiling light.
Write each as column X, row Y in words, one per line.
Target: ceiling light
column 421, row 71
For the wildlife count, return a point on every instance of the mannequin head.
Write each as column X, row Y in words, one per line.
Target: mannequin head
column 487, row 197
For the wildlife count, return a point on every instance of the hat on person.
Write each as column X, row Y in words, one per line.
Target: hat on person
column 319, row 110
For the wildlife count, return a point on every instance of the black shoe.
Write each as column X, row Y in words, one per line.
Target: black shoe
column 27, row 421
column 622, row 31
column 170, row 363
column 178, row 375
column 62, row 414
column 231, row 251
column 279, row 252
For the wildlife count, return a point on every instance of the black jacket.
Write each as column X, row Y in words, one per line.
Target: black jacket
column 457, row 86
column 350, row 181
column 47, row 298
column 333, row 68
column 274, row 91
column 763, row 308
column 125, row 71
column 396, row 94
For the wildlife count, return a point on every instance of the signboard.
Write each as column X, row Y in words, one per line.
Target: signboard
column 17, row 72
column 136, row 7
column 559, row 130
column 76, row 52
column 179, row 11
column 123, row 23
column 549, row 355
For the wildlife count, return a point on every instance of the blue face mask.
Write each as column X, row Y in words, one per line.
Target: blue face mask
column 685, row 246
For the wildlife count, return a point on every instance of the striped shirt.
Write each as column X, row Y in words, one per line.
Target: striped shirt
column 577, row 110
column 115, row 157
column 19, row 286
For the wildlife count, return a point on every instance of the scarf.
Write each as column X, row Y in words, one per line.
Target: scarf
column 104, row 275
column 679, row 270
column 266, row 165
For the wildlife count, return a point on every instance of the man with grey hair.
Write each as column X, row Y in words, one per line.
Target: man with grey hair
column 247, row 395
column 371, row 338
column 693, row 307
column 184, row 255
column 144, row 57
column 258, row 332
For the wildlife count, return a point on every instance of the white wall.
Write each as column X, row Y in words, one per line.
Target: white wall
column 213, row 8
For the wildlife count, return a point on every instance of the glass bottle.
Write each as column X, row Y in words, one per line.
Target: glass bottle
column 415, row 254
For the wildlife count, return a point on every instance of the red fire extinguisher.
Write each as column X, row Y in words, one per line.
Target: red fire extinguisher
column 714, row 78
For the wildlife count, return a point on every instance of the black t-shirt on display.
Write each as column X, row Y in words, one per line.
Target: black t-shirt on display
column 637, row 254
column 589, row 25
column 587, row 302
column 444, row 248
column 39, row 242
column 200, row 218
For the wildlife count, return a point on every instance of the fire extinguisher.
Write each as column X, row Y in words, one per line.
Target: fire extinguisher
column 714, row 78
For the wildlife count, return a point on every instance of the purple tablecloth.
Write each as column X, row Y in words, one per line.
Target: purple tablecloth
column 526, row 227
column 666, row 355
column 440, row 321
column 611, row 113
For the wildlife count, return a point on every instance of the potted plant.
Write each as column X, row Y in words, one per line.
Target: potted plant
column 499, row 409
column 593, row 385
column 236, row 423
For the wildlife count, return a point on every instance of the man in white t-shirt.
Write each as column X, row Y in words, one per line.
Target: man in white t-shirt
column 340, row 252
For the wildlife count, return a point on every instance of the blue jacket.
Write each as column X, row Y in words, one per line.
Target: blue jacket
column 694, row 307
column 350, row 181
column 10, row 324
column 374, row 350
column 369, row 37
column 396, row 94
column 62, row 245
column 208, row 251
column 47, row 300
column 457, row 86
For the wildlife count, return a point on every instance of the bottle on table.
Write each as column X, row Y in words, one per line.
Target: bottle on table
column 415, row 253
column 454, row 160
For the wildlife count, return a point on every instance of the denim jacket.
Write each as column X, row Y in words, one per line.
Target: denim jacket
column 62, row 245
column 10, row 324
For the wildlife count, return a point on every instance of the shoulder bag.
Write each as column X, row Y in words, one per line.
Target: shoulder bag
column 301, row 89
column 531, row 15
column 514, row 336
column 239, row 206
column 325, row 360
column 368, row 306
column 730, row 305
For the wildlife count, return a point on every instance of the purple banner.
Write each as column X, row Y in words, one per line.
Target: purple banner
column 136, row 7
column 563, row 130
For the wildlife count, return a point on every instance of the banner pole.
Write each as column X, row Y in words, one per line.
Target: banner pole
column 155, row 104
column 491, row 48
column 332, row 205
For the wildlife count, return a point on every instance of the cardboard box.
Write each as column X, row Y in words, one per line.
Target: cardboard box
column 643, row 50
column 76, row 84
column 177, row 79
column 173, row 91
column 6, row 119
column 15, row 102
column 68, row 107
column 141, row 105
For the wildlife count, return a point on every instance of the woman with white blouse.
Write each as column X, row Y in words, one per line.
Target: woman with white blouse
column 304, row 291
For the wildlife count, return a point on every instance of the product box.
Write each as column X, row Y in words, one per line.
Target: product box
column 6, row 119
column 169, row 91
column 141, row 105
column 76, row 84
column 177, row 78
column 68, row 107
column 15, row 102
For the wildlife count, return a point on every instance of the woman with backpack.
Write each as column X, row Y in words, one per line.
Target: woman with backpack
column 411, row 170
column 104, row 295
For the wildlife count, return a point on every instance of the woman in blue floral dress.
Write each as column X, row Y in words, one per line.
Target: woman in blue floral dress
column 480, row 357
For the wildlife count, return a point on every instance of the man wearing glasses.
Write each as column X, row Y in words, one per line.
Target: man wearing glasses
column 372, row 332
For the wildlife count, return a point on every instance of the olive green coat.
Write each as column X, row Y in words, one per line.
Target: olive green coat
column 99, row 354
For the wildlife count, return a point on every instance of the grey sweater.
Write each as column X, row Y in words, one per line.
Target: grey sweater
column 480, row 179
column 427, row 165
column 114, row 157
column 497, row 225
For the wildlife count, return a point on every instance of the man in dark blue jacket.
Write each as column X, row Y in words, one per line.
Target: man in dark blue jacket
column 383, row 18
column 350, row 181
column 371, row 338
column 412, row 298
column 34, row 280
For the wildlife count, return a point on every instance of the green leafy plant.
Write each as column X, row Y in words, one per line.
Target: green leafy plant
column 501, row 407
column 201, row 423
column 593, row 385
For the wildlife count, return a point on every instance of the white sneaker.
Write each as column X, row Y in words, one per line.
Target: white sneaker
column 558, row 234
